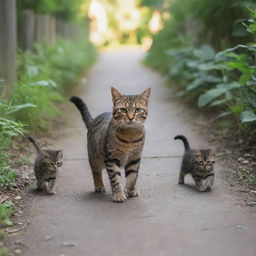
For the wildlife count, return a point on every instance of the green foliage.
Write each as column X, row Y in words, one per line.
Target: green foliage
column 3, row 251
column 196, row 22
column 225, row 79
column 8, row 129
column 64, row 9
column 157, row 4
column 45, row 75
column 6, row 210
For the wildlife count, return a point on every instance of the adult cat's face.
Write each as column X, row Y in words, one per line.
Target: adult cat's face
column 130, row 110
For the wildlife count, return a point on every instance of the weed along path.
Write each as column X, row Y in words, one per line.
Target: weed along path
column 167, row 219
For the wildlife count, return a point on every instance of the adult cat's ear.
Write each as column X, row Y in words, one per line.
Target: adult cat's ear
column 145, row 94
column 115, row 94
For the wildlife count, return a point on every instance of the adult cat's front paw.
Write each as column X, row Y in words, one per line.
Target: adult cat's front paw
column 100, row 189
column 132, row 193
column 119, row 197
column 50, row 192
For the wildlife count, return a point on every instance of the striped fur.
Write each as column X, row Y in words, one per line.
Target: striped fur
column 199, row 163
column 115, row 141
column 45, row 168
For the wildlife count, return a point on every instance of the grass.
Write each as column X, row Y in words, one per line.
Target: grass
column 45, row 75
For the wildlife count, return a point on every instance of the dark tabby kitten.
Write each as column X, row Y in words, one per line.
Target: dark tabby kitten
column 199, row 163
column 46, row 166
column 116, row 140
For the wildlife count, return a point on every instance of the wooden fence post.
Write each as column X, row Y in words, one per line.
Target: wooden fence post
column 45, row 29
column 52, row 30
column 42, row 29
column 8, row 44
column 29, row 31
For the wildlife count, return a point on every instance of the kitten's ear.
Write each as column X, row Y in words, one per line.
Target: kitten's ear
column 145, row 95
column 212, row 155
column 115, row 94
column 197, row 154
column 44, row 156
column 60, row 154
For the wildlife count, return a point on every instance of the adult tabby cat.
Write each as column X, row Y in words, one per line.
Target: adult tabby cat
column 45, row 168
column 115, row 140
column 199, row 163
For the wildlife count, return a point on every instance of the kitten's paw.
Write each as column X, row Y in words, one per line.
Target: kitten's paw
column 100, row 190
column 50, row 192
column 132, row 193
column 208, row 189
column 201, row 189
column 119, row 197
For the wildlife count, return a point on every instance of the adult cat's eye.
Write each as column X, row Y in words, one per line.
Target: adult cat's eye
column 137, row 110
column 123, row 110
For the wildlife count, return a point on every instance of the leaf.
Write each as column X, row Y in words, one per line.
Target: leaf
column 245, row 77
column 205, row 52
column 239, row 66
column 13, row 109
column 224, row 114
column 40, row 83
column 218, row 102
column 197, row 82
column 204, row 78
column 207, row 97
column 32, row 71
column 206, row 66
column 248, row 116
column 210, row 95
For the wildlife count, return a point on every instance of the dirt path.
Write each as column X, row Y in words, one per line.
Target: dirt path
column 167, row 219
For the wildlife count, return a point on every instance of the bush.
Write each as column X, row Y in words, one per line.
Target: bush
column 196, row 22
column 45, row 76
column 224, row 79
column 8, row 130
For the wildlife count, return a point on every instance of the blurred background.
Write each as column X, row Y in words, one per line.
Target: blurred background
column 204, row 48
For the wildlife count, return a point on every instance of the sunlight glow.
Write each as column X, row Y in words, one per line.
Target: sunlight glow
column 99, row 24
column 155, row 24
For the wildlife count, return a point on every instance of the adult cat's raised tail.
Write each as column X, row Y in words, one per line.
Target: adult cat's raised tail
column 83, row 110
column 185, row 141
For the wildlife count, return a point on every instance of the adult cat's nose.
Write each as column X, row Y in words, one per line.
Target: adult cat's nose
column 130, row 117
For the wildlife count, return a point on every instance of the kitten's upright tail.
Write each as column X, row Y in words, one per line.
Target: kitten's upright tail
column 35, row 144
column 83, row 110
column 185, row 141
